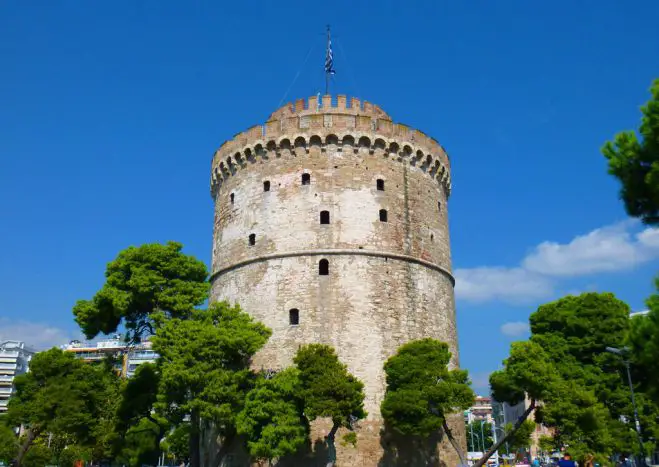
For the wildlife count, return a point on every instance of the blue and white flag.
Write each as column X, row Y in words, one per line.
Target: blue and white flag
column 329, row 59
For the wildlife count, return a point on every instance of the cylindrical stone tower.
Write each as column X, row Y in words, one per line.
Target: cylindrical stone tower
column 331, row 226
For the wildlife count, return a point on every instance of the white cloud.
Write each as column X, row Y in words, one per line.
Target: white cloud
column 497, row 283
column 39, row 336
column 515, row 328
column 612, row 248
column 607, row 249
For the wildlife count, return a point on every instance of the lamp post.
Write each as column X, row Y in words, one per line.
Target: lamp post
column 623, row 353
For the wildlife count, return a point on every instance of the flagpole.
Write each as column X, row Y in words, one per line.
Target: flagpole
column 327, row 72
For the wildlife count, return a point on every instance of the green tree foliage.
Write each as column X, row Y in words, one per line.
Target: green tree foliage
column 329, row 390
column 141, row 283
column 8, row 444
column 422, row 391
column 62, row 394
column 635, row 163
column 575, row 331
column 582, row 387
column 204, row 367
column 644, row 343
column 39, row 456
column 272, row 419
column 73, row 453
column 521, row 438
column 479, row 435
column 141, row 444
column 527, row 372
column 177, row 443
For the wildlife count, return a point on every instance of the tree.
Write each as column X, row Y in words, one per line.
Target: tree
column 39, row 456
column 8, row 444
column 62, row 394
column 204, row 367
column 635, row 163
column 272, row 419
column 422, row 391
column 177, row 443
column 520, row 439
column 329, row 391
column 141, row 283
column 527, row 372
column 644, row 342
column 479, row 435
column 575, row 331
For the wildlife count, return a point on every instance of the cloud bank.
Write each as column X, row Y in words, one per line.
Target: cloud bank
column 608, row 249
column 39, row 336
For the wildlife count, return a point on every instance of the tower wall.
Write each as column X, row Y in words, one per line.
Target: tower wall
column 387, row 282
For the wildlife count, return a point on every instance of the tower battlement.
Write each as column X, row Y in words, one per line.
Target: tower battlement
column 360, row 128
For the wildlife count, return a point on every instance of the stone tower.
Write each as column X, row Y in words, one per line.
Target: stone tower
column 331, row 226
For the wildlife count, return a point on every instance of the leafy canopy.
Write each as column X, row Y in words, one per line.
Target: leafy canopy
column 204, row 362
column 62, row 394
column 8, row 444
column 635, row 163
column 476, row 430
column 421, row 390
column 140, row 283
column 272, row 419
column 326, row 386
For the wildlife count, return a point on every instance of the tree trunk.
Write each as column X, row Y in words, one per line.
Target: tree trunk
column 195, row 439
column 25, row 446
column 227, row 445
column 454, row 443
column 331, row 447
column 159, row 436
column 496, row 445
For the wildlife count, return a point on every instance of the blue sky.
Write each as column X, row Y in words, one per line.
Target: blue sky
column 110, row 113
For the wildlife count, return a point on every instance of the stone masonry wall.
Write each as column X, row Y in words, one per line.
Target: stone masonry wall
column 388, row 282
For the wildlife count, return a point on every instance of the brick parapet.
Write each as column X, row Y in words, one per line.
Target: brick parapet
column 363, row 130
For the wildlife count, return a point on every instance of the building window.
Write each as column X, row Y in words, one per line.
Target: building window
column 306, row 179
column 324, row 217
column 439, row 206
column 232, row 197
column 293, row 316
column 380, row 184
column 266, row 185
column 383, row 215
column 323, row 267
column 252, row 239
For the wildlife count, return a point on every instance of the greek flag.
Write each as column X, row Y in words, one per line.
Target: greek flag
column 329, row 59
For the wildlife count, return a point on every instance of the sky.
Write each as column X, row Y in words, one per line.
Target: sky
column 110, row 113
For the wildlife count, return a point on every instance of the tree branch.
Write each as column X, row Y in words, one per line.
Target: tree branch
column 453, row 442
column 503, row 439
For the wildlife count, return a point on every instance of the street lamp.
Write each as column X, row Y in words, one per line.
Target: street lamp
column 624, row 353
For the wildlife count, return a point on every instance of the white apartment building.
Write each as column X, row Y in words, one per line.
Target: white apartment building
column 131, row 356
column 14, row 360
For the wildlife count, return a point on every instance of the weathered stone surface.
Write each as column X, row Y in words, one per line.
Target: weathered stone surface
column 388, row 282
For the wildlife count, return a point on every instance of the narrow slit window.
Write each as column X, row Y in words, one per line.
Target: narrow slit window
column 380, row 184
column 306, row 179
column 323, row 267
column 293, row 316
column 252, row 239
column 383, row 215
column 439, row 206
column 266, row 185
column 324, row 217
column 232, row 197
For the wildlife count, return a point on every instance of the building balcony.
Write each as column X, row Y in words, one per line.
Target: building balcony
column 8, row 366
column 5, row 391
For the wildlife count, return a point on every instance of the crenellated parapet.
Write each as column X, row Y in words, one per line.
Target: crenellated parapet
column 351, row 127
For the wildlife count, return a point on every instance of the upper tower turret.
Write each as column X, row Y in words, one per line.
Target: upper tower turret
column 350, row 125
